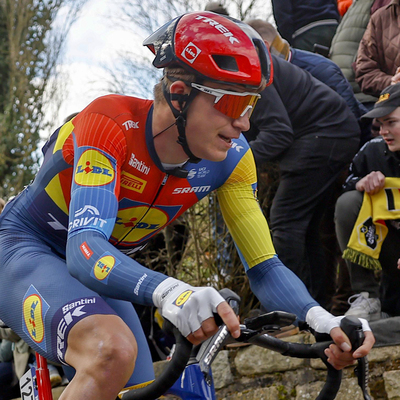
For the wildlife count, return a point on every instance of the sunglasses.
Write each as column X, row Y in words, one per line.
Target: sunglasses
column 232, row 104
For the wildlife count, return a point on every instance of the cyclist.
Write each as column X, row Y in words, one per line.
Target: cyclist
column 116, row 174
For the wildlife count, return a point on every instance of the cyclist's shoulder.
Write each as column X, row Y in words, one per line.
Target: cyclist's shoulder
column 117, row 107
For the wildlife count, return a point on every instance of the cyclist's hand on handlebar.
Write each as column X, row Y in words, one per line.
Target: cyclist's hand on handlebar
column 209, row 327
column 191, row 309
column 340, row 354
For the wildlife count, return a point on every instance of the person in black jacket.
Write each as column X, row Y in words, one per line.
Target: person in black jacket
column 304, row 23
column 376, row 161
column 310, row 130
column 321, row 68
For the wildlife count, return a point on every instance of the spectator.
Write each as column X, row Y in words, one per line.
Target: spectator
column 305, row 23
column 374, row 171
column 217, row 7
column 378, row 4
column 309, row 129
column 319, row 67
column 345, row 43
column 378, row 55
column 343, row 6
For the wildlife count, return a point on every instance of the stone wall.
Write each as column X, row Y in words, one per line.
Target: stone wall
column 254, row 373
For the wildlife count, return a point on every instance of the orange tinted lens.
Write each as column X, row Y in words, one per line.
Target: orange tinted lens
column 234, row 106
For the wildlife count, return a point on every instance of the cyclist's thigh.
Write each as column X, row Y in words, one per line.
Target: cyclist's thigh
column 144, row 371
column 39, row 299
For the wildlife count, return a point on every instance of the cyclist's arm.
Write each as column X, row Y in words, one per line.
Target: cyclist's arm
column 275, row 286
column 98, row 156
column 101, row 267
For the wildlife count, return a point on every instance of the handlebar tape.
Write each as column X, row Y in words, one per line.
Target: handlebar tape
column 169, row 375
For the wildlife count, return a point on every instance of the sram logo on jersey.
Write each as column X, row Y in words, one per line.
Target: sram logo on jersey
column 132, row 182
column 34, row 312
column 192, row 189
column 219, row 27
column 86, row 216
column 93, row 169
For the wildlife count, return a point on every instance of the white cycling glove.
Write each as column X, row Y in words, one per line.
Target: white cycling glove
column 323, row 322
column 184, row 305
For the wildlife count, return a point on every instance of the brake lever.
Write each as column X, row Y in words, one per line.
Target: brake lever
column 352, row 327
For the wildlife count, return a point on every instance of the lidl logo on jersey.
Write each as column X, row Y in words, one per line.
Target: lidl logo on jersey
column 135, row 223
column 183, row 298
column 103, row 267
column 132, row 182
column 34, row 311
column 94, row 169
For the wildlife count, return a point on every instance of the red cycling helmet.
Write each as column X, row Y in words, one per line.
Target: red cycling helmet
column 214, row 47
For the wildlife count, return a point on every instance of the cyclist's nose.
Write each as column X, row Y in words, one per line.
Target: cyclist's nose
column 242, row 122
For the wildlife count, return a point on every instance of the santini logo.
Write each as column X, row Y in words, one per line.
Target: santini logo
column 139, row 165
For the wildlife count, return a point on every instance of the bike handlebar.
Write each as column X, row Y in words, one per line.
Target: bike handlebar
column 208, row 351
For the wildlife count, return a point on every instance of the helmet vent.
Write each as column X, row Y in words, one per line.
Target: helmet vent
column 226, row 63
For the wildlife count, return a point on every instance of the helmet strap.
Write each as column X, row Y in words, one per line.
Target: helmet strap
column 184, row 101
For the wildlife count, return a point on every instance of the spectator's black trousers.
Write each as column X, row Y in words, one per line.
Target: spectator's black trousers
column 308, row 169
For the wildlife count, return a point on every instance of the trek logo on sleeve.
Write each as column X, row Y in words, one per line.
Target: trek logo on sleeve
column 34, row 312
column 86, row 251
column 94, row 169
column 130, row 124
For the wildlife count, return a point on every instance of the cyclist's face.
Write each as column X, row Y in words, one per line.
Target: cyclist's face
column 390, row 129
column 209, row 131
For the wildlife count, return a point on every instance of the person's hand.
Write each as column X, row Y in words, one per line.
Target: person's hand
column 396, row 77
column 371, row 183
column 191, row 309
column 398, row 263
column 340, row 354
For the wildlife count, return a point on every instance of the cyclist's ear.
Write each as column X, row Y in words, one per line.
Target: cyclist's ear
column 178, row 89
